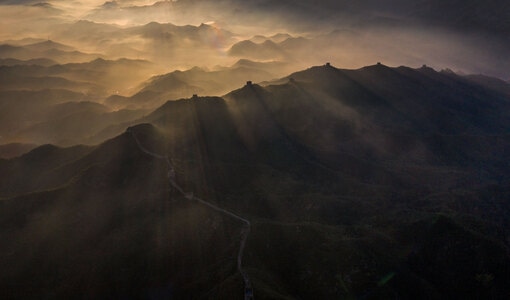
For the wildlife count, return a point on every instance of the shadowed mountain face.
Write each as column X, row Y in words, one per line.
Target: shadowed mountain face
column 371, row 183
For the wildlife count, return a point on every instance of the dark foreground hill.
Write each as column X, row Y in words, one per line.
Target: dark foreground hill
column 376, row 183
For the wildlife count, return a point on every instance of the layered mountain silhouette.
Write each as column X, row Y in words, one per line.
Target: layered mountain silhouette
column 377, row 182
column 46, row 102
column 35, row 61
column 182, row 84
column 56, row 116
column 98, row 77
column 47, row 49
column 164, row 43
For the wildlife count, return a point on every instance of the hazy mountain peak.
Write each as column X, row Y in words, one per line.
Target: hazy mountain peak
column 99, row 61
column 242, row 62
column 196, row 69
column 246, row 43
column 163, row 3
column 43, row 4
column 110, row 5
column 152, row 24
column 427, row 70
column 88, row 24
column 246, row 92
column 49, row 45
column 280, row 37
column 269, row 43
column 248, row 63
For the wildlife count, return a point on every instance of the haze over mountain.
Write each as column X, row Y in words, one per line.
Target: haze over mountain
column 469, row 37
column 181, row 84
column 225, row 149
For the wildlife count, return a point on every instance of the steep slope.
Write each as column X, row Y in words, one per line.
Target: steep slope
column 112, row 199
column 39, row 163
column 394, row 90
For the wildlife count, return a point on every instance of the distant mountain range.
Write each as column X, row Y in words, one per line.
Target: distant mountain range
column 55, row 116
column 34, row 61
column 27, row 113
column 182, row 84
column 48, row 50
column 397, row 38
column 377, row 182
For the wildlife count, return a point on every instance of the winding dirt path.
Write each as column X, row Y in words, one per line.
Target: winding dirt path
column 248, row 290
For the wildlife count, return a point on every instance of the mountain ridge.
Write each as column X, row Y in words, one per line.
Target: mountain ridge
column 335, row 169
